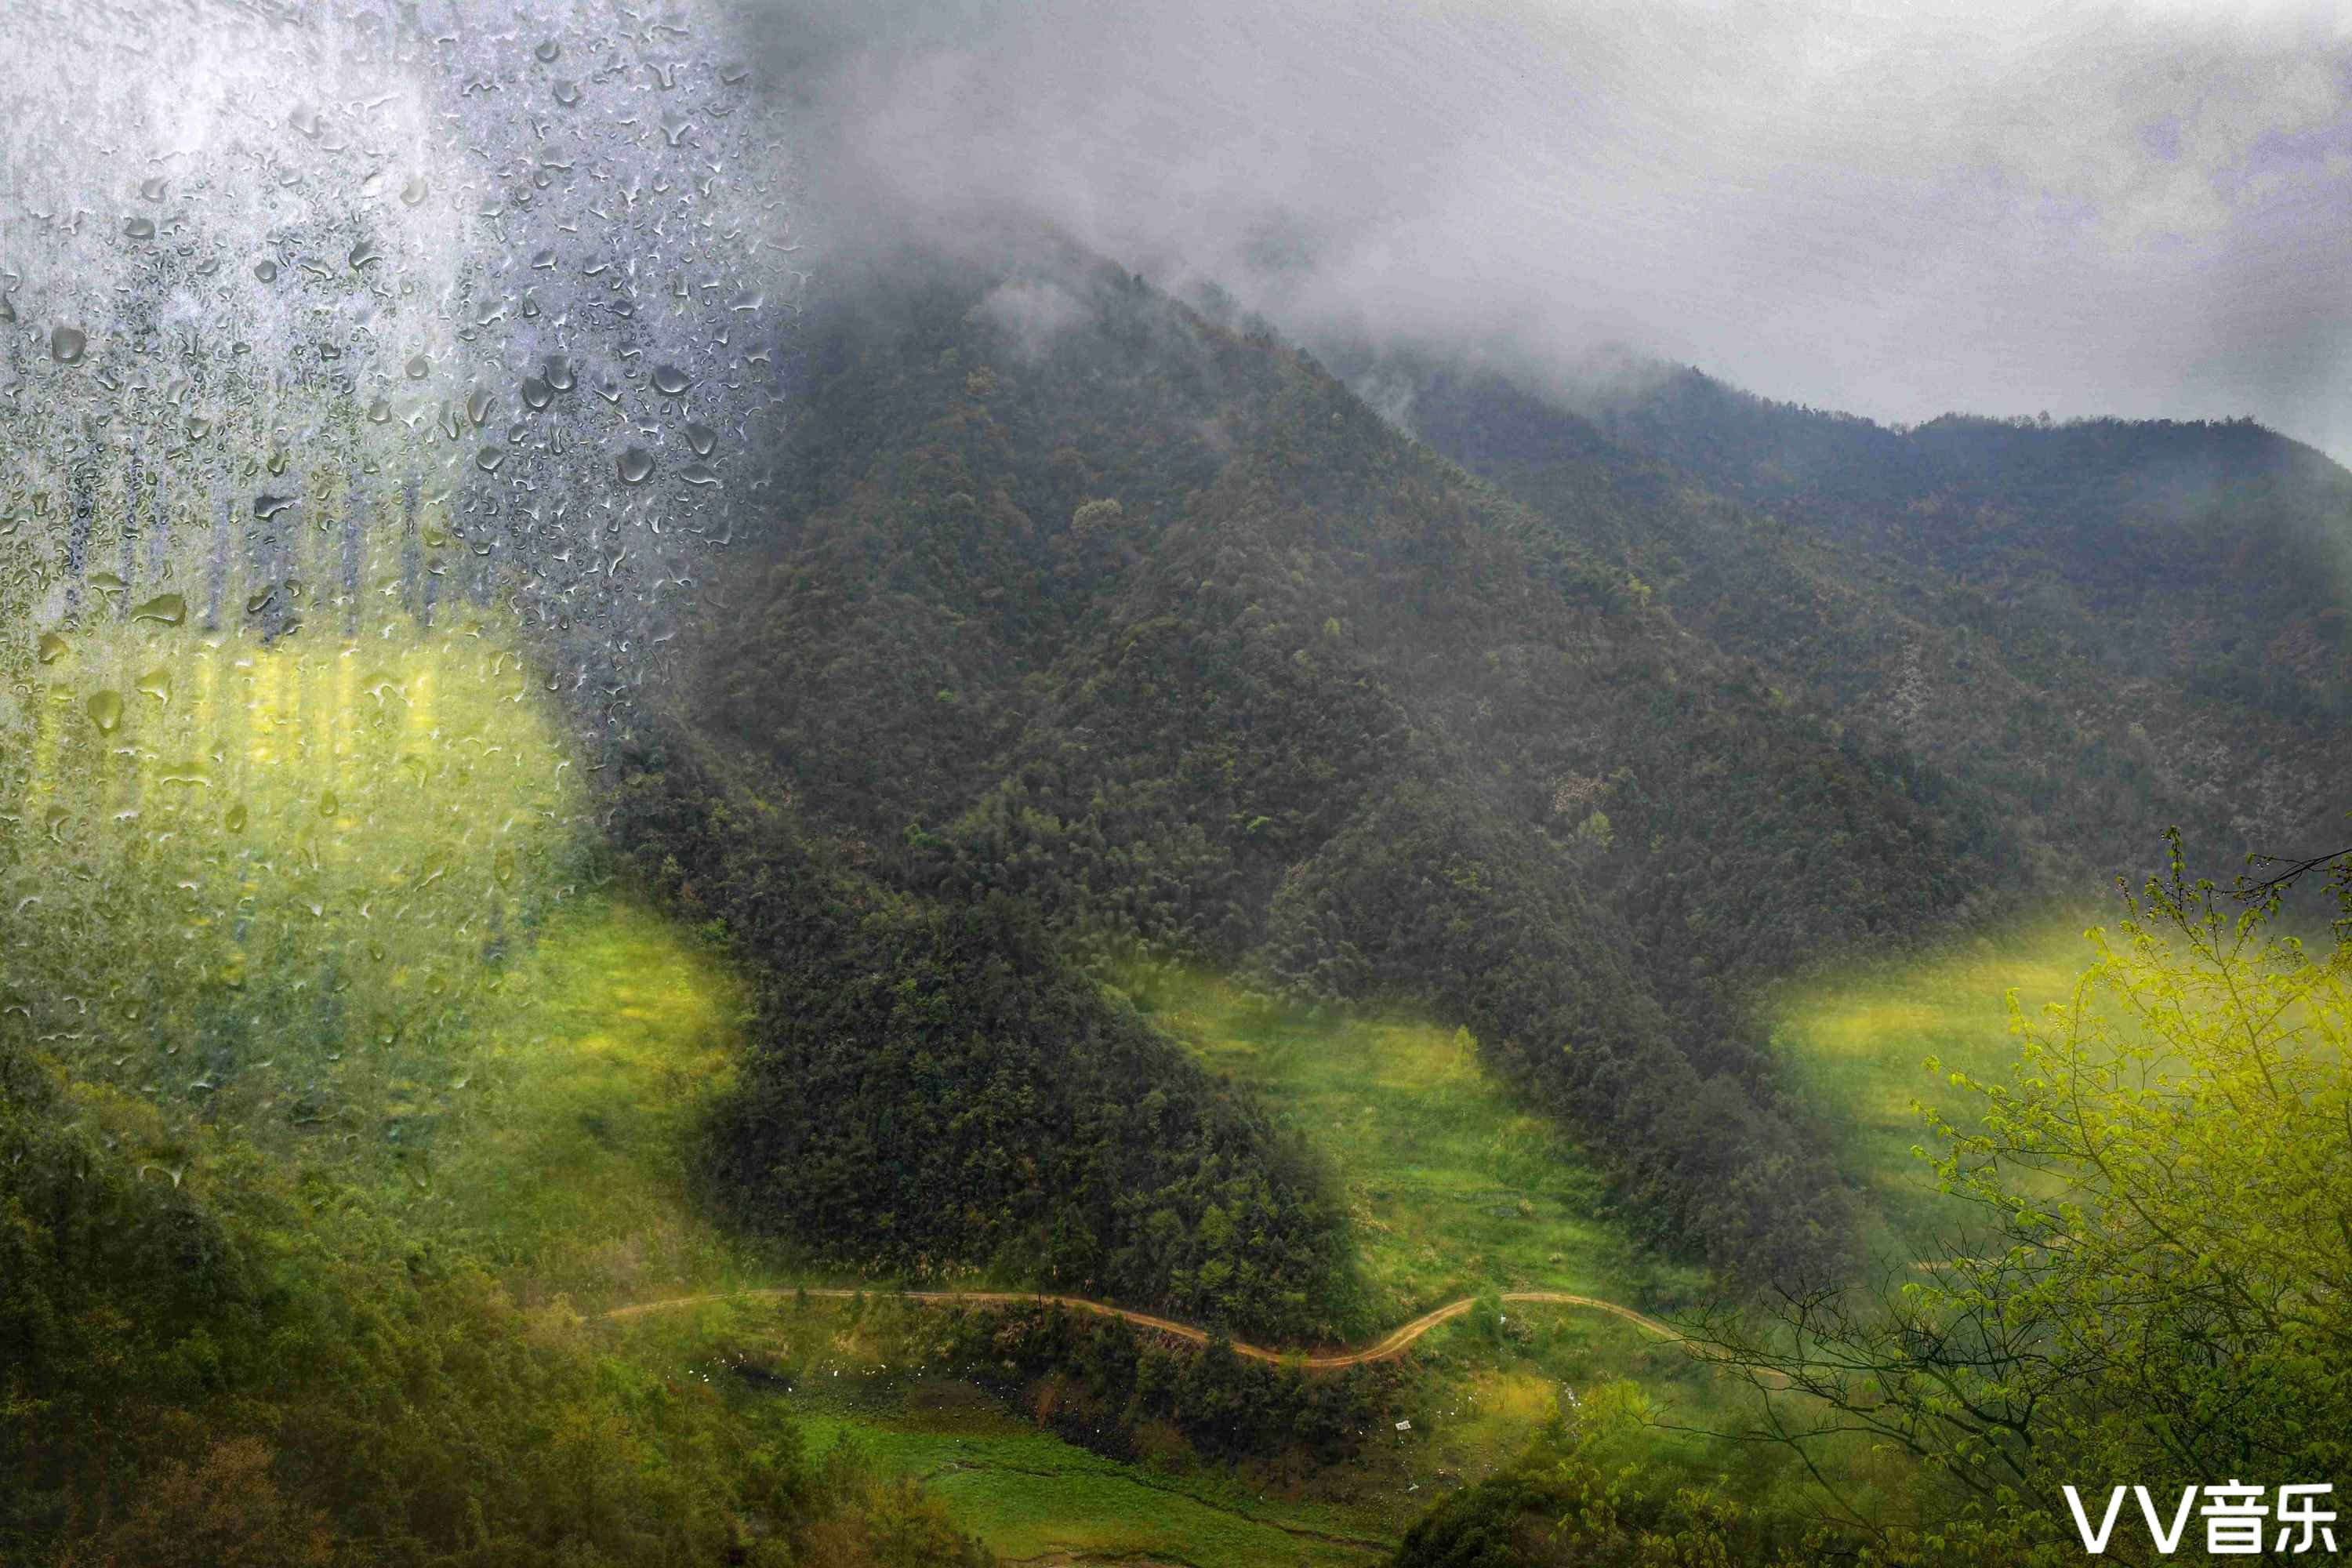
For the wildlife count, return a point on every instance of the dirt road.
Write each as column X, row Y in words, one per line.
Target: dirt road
column 1394, row 1344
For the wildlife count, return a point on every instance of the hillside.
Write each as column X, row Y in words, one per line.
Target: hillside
column 2105, row 626
column 1154, row 626
column 870, row 783
column 1089, row 646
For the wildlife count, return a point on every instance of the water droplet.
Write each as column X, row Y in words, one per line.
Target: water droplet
column 669, row 381
column 234, row 818
column 267, row 506
column 559, row 372
column 138, row 228
column 544, row 260
column 372, row 186
column 547, row 51
column 418, row 366
column 7, row 309
column 105, row 710
column 52, row 648
column 698, row 474
column 488, row 458
column 66, row 344
column 365, row 254
column 198, row 426
column 328, row 805
column 156, row 683
column 734, row 76
column 537, row 393
column 502, row 866
column 567, row 93
column 169, row 609
column 151, row 188
column 637, row 465
column 380, row 411
column 478, row 405
column 107, row 583
column 266, row 270
column 307, row 121
column 674, row 126
column 414, row 192
column 701, row 437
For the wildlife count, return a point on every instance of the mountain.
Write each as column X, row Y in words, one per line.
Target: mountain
column 1572, row 720
column 2104, row 626
column 1147, row 622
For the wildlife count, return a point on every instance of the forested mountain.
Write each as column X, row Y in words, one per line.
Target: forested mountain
column 1153, row 625
column 2105, row 626
column 715, row 848
column 1136, row 621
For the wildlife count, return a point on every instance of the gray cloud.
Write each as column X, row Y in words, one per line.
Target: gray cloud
column 2138, row 209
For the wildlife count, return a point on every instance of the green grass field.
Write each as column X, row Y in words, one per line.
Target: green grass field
column 1456, row 1190
column 613, row 1033
column 1856, row 1043
column 1029, row 1495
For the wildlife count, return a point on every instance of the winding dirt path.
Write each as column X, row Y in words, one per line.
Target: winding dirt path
column 1387, row 1348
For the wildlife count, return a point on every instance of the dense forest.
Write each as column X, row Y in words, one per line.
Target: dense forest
column 2097, row 625
column 931, row 1089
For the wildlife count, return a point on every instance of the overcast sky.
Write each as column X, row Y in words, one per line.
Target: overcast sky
column 1895, row 209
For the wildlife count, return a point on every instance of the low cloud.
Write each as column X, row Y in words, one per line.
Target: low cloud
column 2138, row 209
column 1032, row 313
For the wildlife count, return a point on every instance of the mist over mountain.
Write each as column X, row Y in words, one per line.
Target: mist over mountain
column 832, row 785
column 1901, row 212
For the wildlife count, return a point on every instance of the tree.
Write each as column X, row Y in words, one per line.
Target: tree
column 227, row 1512
column 2156, row 1284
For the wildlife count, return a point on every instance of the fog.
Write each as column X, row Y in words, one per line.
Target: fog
column 1897, row 210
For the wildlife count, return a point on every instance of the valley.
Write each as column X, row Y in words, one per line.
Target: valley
column 843, row 785
column 600, row 1090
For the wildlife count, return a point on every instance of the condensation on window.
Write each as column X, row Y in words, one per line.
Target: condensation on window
column 378, row 385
